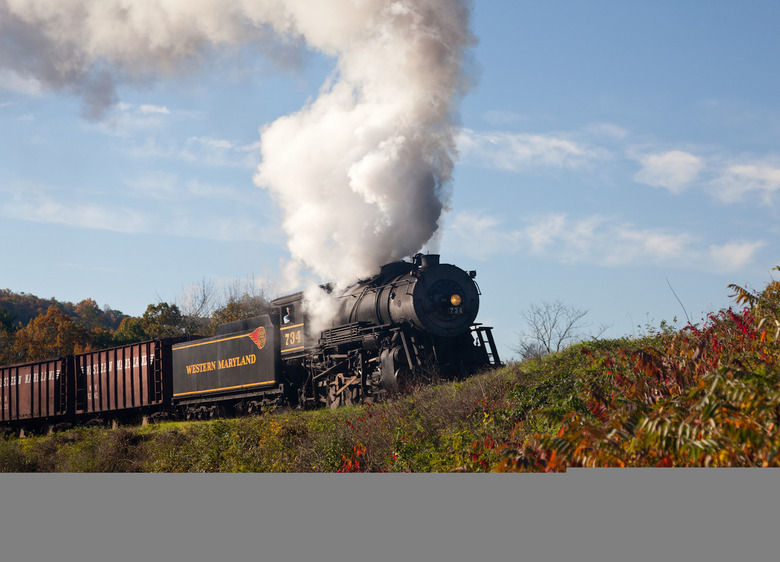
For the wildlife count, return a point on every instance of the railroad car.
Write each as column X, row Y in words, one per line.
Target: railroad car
column 37, row 391
column 236, row 371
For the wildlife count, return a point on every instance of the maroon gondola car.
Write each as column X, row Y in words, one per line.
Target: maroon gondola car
column 37, row 391
column 134, row 378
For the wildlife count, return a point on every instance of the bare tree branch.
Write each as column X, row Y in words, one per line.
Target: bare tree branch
column 552, row 326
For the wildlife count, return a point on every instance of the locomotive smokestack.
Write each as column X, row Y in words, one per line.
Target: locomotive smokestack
column 427, row 260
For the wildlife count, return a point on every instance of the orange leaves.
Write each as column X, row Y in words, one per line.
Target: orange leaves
column 353, row 462
column 53, row 334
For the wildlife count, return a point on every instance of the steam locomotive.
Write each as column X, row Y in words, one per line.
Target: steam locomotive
column 413, row 320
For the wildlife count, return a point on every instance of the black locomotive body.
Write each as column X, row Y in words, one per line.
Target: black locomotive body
column 411, row 321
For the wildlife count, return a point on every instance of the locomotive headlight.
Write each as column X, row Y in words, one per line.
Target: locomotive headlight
column 456, row 299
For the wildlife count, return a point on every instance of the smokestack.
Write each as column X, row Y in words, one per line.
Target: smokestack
column 426, row 260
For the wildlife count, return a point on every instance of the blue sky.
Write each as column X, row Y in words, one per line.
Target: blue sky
column 607, row 151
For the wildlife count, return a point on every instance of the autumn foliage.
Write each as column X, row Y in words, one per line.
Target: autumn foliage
column 704, row 396
column 33, row 329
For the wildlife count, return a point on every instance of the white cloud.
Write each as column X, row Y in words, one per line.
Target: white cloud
column 167, row 186
column 125, row 120
column 524, row 151
column 212, row 144
column 204, row 151
column 43, row 206
column 148, row 109
column 479, row 235
column 607, row 130
column 675, row 170
column 543, row 232
column 733, row 256
column 596, row 148
column 75, row 208
column 221, row 152
column 594, row 240
column 738, row 180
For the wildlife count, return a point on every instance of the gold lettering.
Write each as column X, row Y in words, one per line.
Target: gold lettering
column 200, row 367
column 239, row 361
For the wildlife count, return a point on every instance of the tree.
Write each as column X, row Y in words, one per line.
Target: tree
column 162, row 320
column 552, row 326
column 204, row 307
column 88, row 313
column 7, row 330
column 6, row 320
column 131, row 330
column 50, row 335
column 197, row 302
column 7, row 354
column 239, row 309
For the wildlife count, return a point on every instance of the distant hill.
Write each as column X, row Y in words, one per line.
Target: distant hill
column 17, row 309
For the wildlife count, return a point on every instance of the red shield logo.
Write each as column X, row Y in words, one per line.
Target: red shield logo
column 258, row 336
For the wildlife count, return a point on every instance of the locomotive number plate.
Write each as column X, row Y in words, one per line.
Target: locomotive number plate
column 456, row 310
column 292, row 338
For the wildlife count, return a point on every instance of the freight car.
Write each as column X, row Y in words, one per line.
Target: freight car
column 411, row 321
column 121, row 384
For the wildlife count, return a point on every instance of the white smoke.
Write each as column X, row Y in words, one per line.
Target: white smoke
column 361, row 173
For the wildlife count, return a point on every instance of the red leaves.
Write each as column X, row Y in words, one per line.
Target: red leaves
column 353, row 462
column 598, row 410
column 706, row 395
column 665, row 461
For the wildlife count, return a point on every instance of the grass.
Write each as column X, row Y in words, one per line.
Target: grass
column 432, row 429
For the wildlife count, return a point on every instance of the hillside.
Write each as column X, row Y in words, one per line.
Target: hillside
column 705, row 395
column 17, row 309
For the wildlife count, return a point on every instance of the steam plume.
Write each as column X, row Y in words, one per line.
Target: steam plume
column 361, row 172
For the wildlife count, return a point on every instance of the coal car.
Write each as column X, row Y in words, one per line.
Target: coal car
column 236, row 371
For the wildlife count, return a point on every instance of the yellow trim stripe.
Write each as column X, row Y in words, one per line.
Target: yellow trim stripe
column 210, row 342
column 292, row 349
column 224, row 388
column 292, row 326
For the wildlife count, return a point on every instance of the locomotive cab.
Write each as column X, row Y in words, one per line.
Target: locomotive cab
column 288, row 316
